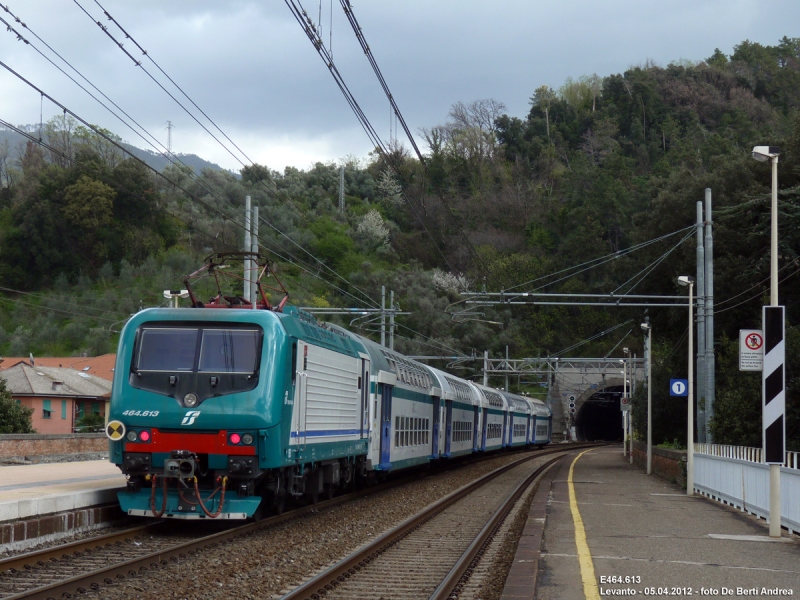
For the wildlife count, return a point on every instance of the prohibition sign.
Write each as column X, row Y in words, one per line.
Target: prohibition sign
column 754, row 341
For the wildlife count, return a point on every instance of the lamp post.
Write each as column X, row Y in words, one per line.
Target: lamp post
column 764, row 154
column 627, row 391
column 649, row 329
column 624, row 413
column 689, row 281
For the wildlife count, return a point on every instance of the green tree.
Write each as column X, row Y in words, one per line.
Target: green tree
column 14, row 418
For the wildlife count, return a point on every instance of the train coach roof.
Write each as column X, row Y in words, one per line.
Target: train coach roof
column 304, row 326
column 454, row 388
column 490, row 398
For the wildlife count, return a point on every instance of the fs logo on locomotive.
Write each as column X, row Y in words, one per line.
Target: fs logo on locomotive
column 190, row 416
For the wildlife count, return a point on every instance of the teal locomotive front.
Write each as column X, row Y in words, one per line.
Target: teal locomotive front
column 226, row 413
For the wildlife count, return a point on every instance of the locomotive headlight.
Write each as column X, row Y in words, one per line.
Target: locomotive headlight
column 247, row 439
column 190, row 400
column 131, row 436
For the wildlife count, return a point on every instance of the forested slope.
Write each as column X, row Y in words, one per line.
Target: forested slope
column 597, row 168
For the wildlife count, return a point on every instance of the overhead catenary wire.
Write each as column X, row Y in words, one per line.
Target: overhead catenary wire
column 274, row 190
column 599, row 260
column 302, row 266
column 102, row 134
column 652, row 266
column 592, row 338
column 351, row 17
column 171, row 157
column 301, row 16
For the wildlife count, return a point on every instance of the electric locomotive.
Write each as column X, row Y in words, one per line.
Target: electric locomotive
column 226, row 409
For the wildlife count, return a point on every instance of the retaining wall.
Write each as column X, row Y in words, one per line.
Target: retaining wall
column 668, row 463
column 37, row 447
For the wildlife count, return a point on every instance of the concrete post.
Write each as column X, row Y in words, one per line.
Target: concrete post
column 247, row 244
column 701, row 329
column 253, row 265
column 383, row 316
column 709, row 306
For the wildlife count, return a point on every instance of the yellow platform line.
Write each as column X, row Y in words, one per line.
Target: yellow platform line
column 590, row 589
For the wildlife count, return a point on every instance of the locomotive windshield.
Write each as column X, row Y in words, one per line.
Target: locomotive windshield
column 206, row 350
column 165, row 349
column 229, row 351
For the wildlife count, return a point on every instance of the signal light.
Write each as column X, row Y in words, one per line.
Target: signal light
column 131, row 436
column 247, row 439
column 144, row 435
column 235, row 438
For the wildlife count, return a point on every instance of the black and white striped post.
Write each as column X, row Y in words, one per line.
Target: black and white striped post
column 773, row 382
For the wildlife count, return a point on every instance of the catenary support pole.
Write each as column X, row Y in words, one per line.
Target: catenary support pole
column 253, row 264
column 633, row 392
column 383, row 316
column 700, row 384
column 247, row 244
column 709, row 306
column 391, row 320
column 649, row 361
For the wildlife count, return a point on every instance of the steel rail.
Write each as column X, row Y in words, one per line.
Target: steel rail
column 106, row 575
column 453, row 582
column 318, row 586
column 20, row 561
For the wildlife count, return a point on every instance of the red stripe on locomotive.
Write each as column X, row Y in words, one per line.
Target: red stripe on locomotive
column 199, row 443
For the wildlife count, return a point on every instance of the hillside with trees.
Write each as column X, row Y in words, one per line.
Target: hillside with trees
column 593, row 191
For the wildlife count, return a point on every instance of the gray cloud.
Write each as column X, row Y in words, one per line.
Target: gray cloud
column 251, row 68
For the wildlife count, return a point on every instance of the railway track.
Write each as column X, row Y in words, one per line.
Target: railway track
column 64, row 570
column 432, row 554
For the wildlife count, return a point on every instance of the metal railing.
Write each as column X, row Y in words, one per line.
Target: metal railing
column 792, row 460
column 736, row 476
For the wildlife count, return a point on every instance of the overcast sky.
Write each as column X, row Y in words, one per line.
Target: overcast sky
column 250, row 67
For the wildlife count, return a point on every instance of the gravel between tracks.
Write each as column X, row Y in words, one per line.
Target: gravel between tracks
column 277, row 559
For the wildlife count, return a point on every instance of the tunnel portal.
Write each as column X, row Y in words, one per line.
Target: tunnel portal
column 599, row 417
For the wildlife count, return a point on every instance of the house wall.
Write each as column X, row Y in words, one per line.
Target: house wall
column 62, row 414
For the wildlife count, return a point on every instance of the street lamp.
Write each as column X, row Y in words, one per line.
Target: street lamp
column 649, row 329
column 764, row 154
column 624, row 412
column 685, row 280
column 174, row 295
column 628, row 366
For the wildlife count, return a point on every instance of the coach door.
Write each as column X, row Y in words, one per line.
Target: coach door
column 484, row 427
column 363, row 387
column 476, row 423
column 436, row 417
column 448, row 411
column 385, row 391
column 301, row 395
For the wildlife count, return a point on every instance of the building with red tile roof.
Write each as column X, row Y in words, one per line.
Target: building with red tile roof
column 100, row 366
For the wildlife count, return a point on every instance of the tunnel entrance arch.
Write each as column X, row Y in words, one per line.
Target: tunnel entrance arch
column 599, row 416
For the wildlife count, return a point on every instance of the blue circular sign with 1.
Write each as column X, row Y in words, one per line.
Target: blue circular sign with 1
column 678, row 387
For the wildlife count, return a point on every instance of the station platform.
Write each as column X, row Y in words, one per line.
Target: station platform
column 51, row 498
column 601, row 527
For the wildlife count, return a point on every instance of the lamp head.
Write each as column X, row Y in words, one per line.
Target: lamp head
column 646, row 326
column 765, row 153
column 626, row 351
column 685, row 280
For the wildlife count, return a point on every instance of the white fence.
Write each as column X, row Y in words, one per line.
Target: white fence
column 734, row 475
